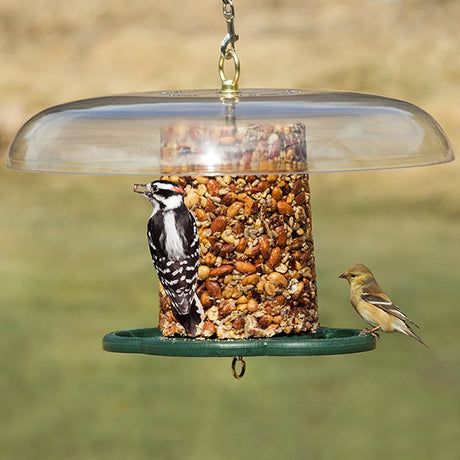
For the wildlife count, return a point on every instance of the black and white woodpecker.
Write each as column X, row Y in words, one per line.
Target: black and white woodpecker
column 175, row 248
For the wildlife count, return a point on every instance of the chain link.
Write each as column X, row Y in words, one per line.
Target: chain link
column 227, row 53
column 231, row 37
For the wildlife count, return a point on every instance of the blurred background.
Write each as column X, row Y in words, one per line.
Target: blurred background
column 74, row 262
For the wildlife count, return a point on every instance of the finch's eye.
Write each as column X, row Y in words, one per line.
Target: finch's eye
column 353, row 276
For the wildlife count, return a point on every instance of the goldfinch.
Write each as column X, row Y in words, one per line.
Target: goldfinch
column 374, row 306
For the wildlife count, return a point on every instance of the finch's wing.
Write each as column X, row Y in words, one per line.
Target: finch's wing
column 386, row 305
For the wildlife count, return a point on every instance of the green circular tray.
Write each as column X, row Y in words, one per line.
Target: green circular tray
column 326, row 341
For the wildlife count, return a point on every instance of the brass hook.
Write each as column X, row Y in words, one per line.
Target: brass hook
column 229, row 85
column 240, row 374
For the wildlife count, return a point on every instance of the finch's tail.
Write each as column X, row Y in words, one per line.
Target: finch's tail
column 191, row 320
column 408, row 331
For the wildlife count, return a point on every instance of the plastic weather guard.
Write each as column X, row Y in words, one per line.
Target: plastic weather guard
column 121, row 134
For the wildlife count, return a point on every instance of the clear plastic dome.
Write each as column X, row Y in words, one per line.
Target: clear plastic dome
column 202, row 132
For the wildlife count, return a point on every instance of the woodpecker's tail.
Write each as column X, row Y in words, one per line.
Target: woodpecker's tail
column 191, row 320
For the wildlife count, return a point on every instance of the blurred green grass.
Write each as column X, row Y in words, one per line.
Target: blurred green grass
column 74, row 262
column 75, row 266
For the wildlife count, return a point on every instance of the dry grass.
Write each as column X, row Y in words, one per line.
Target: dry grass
column 402, row 49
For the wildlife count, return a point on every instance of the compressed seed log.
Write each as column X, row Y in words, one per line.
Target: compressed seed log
column 257, row 272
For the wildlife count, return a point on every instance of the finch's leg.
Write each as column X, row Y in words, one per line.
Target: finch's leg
column 371, row 331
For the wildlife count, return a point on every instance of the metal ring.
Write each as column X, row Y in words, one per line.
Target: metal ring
column 238, row 375
column 229, row 85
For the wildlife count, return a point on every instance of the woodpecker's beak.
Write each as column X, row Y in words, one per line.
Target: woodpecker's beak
column 343, row 275
column 143, row 189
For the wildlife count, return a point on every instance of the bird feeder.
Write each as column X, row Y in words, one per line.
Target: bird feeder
column 243, row 157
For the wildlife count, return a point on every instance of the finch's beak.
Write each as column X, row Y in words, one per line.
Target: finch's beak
column 343, row 275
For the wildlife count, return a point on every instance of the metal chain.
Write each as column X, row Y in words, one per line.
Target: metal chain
column 228, row 52
column 231, row 37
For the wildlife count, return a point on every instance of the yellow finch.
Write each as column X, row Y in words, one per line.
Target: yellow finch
column 374, row 306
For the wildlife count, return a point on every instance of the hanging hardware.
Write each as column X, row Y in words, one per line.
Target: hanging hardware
column 230, row 102
column 229, row 85
column 231, row 37
column 240, row 374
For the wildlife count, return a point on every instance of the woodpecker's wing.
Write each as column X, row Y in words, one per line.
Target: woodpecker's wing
column 179, row 282
column 386, row 305
column 177, row 258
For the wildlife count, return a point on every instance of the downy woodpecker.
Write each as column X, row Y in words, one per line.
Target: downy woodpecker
column 175, row 249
